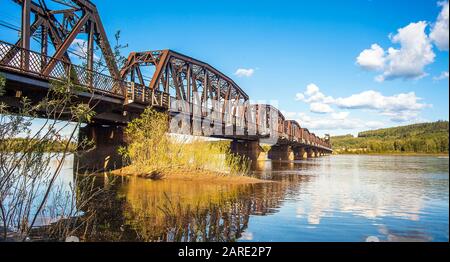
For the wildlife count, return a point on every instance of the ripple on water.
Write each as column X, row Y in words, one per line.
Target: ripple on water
column 335, row 198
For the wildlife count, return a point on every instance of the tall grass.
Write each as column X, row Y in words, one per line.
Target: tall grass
column 151, row 150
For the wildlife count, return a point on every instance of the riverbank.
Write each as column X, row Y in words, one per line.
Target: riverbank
column 191, row 175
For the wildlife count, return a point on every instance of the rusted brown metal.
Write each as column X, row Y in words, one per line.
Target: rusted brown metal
column 167, row 60
column 25, row 33
column 65, row 45
column 187, row 79
column 63, row 33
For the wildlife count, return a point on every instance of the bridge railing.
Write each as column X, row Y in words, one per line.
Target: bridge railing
column 32, row 63
column 225, row 118
column 141, row 94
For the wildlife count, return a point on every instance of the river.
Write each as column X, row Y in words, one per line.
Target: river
column 335, row 198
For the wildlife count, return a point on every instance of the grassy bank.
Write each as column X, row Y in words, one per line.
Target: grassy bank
column 152, row 153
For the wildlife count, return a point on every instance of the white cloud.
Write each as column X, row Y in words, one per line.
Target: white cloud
column 304, row 118
column 375, row 100
column 79, row 45
column 335, row 121
column 319, row 97
column 299, row 97
column 320, row 108
column 442, row 76
column 402, row 116
column 79, row 48
column 340, row 115
column 439, row 33
column 408, row 62
column 243, row 72
column 415, row 53
column 313, row 95
column 312, row 89
column 400, row 107
column 372, row 59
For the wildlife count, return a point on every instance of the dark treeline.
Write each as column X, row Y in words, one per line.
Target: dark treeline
column 417, row 138
column 23, row 144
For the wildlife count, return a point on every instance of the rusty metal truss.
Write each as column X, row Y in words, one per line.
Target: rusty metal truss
column 62, row 27
column 181, row 76
column 151, row 78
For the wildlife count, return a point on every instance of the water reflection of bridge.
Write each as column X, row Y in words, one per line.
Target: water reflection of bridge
column 193, row 92
column 313, row 191
column 187, row 211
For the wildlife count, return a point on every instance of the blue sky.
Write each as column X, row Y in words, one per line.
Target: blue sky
column 308, row 56
column 291, row 44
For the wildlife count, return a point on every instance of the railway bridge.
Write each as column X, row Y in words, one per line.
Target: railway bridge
column 200, row 100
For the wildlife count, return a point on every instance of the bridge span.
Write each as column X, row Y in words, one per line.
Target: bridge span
column 200, row 99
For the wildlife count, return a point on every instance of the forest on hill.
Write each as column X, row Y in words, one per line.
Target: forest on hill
column 430, row 138
column 23, row 144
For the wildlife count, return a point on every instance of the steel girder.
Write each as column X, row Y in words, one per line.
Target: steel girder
column 185, row 75
column 266, row 113
column 195, row 85
column 188, row 79
column 81, row 16
column 294, row 130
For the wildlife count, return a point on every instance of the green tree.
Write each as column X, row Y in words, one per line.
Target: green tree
column 417, row 138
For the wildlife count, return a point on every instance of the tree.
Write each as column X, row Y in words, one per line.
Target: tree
column 27, row 180
column 418, row 138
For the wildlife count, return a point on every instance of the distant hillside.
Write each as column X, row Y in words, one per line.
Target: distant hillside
column 417, row 138
column 22, row 144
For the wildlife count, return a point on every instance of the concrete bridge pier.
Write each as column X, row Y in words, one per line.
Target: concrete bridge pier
column 250, row 149
column 310, row 153
column 103, row 155
column 299, row 153
column 281, row 152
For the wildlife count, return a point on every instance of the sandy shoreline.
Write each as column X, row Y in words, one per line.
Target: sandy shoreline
column 197, row 176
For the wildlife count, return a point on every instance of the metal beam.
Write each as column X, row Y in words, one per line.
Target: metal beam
column 57, row 35
column 103, row 43
column 25, row 33
column 44, row 46
column 188, row 80
column 160, row 67
column 90, row 46
column 140, row 77
column 65, row 45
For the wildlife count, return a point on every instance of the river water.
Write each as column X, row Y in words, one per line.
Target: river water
column 333, row 198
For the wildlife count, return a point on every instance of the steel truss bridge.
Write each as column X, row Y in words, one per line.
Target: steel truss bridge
column 192, row 91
